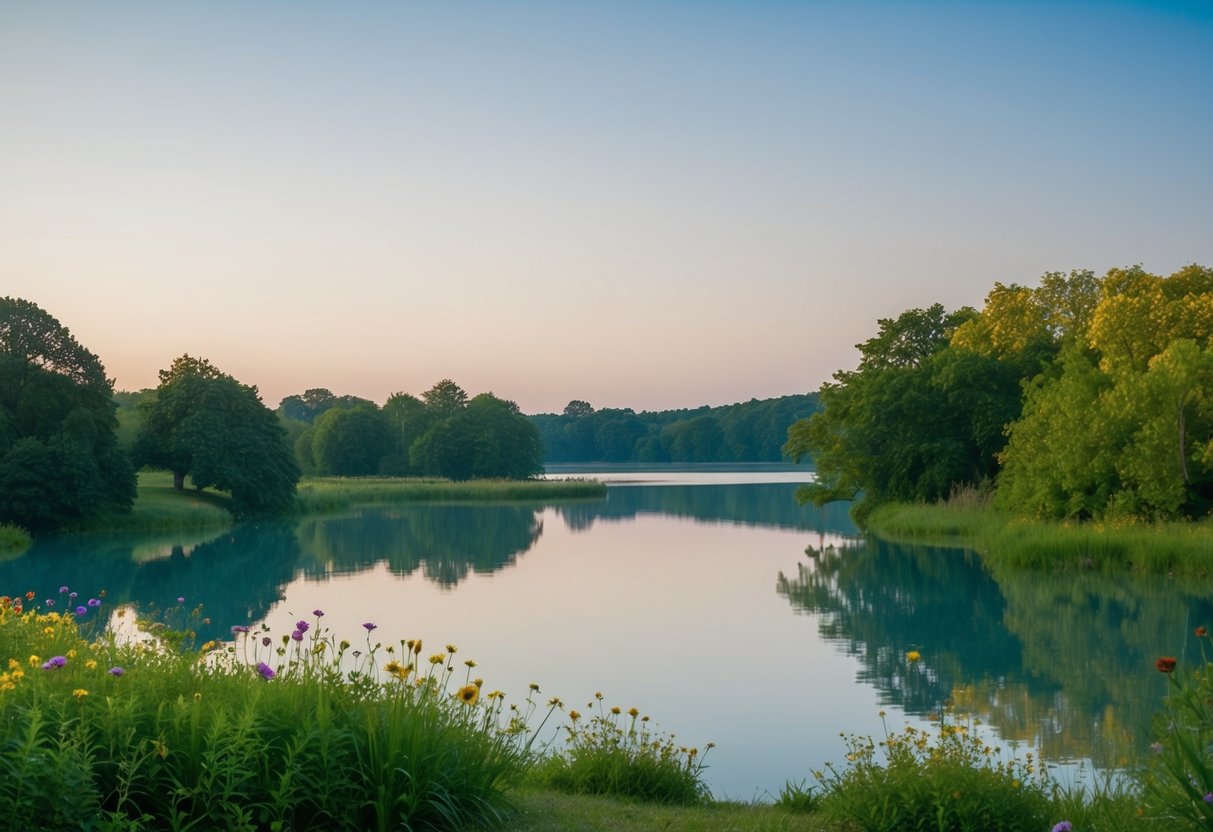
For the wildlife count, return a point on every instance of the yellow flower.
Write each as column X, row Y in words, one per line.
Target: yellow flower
column 574, row 716
column 48, row 631
column 13, row 664
column 632, row 712
column 913, row 656
column 450, row 648
column 197, row 697
column 34, row 661
column 470, row 663
column 71, row 654
column 615, row 710
column 91, row 664
column 437, row 658
column 79, row 693
column 468, row 694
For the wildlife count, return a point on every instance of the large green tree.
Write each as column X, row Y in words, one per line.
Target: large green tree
column 205, row 424
column 59, row 461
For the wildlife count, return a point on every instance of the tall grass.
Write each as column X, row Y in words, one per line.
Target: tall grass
column 1005, row 541
column 324, row 494
column 301, row 732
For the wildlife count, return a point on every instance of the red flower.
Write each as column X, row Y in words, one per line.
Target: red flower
column 1201, row 632
column 1165, row 665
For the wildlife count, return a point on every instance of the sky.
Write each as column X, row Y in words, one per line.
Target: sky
column 637, row 204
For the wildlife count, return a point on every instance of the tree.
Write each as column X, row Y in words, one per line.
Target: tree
column 445, row 398
column 351, row 442
column 205, row 424
column 486, row 437
column 59, row 460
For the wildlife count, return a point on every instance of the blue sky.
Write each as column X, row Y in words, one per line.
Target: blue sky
column 637, row 204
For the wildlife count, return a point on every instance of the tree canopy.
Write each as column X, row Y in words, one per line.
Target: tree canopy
column 60, row 463
column 1082, row 397
column 205, row 424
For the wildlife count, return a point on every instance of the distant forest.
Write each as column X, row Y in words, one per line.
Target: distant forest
column 753, row 431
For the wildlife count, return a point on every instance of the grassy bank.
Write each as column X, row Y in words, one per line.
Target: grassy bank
column 321, row 494
column 1162, row 548
column 158, row 507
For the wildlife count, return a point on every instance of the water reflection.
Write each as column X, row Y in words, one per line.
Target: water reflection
column 772, row 505
column 1062, row 662
column 444, row 541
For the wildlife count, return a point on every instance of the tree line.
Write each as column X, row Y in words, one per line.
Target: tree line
column 753, row 431
column 1083, row 397
column 70, row 445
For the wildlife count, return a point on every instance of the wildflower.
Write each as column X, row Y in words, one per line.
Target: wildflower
column 913, row 656
column 79, row 693
column 1208, row 798
column 1201, row 632
column 297, row 635
column 450, row 648
column 33, row 661
column 72, row 594
column 239, row 628
column 180, row 599
column 53, row 663
column 1156, row 747
column 48, row 631
column 370, row 626
column 116, row 671
column 633, row 713
column 574, row 716
column 63, row 590
column 470, row 663
column 1165, row 664
column 94, row 603
column 265, row 670
column 468, row 694
column 197, row 696
column 417, row 647
column 437, row 658
column 91, row 664
column 265, row 641
column 615, row 710
column 81, row 611
column 302, row 626
column 345, row 645
column 318, row 613
column 29, row 596
column 555, row 702
column 208, row 646
column 535, row 687
column 50, row 602
column 478, row 682
column 1063, row 826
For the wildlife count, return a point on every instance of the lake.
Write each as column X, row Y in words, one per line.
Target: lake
column 706, row 598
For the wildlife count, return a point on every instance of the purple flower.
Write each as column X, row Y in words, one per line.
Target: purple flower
column 1064, row 826
column 265, row 641
column 1208, row 798
column 94, row 603
column 81, row 611
column 265, row 670
column 72, row 594
column 297, row 635
column 50, row 602
column 302, row 626
column 180, row 599
column 318, row 613
column 369, row 626
column 62, row 590
column 116, row 671
column 54, row 663
column 239, row 628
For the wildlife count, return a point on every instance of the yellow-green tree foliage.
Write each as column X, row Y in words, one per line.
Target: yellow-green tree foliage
column 1122, row 423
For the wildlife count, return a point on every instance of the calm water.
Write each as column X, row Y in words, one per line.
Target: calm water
column 691, row 596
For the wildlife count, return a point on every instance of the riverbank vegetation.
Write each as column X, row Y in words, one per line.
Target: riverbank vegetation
column 13, row 540
column 309, row 730
column 1083, row 398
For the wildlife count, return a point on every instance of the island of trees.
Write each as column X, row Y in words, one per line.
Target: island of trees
column 1083, row 397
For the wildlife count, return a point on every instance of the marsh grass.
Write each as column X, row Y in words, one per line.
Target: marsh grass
column 1184, row 549
column 301, row 732
column 325, row 494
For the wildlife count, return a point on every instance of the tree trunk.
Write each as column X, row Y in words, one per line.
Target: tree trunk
column 179, row 480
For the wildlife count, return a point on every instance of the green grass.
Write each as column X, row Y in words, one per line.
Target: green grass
column 13, row 540
column 323, row 494
column 1184, row 549
column 543, row 810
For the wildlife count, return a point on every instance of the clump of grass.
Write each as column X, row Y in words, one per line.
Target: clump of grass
column 798, row 797
column 615, row 753
column 301, row 732
column 951, row 780
column 13, row 540
column 322, row 494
